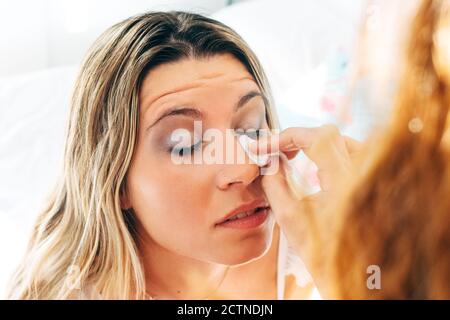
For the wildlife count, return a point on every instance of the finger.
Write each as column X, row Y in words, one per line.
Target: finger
column 289, row 209
column 291, row 154
column 281, row 198
column 353, row 145
column 290, row 139
column 325, row 146
column 329, row 152
column 293, row 139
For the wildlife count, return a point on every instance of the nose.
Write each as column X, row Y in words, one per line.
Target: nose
column 238, row 174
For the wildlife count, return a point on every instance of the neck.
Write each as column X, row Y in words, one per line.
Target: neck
column 169, row 275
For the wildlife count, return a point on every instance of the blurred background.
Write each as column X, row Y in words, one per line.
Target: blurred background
column 307, row 47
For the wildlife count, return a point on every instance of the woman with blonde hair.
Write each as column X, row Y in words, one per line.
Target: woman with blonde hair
column 126, row 222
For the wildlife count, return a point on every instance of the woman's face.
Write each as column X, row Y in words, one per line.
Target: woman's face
column 179, row 207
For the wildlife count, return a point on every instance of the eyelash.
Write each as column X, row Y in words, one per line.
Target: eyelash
column 252, row 133
column 186, row 150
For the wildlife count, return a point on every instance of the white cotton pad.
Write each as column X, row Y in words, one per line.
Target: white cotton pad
column 260, row 160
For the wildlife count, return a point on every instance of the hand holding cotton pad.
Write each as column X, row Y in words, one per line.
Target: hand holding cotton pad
column 260, row 160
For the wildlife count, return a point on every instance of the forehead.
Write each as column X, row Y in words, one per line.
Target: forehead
column 186, row 74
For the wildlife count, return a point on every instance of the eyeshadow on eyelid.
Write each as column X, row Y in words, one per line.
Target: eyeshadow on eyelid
column 256, row 114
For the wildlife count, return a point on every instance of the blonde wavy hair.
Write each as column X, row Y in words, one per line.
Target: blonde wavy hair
column 83, row 237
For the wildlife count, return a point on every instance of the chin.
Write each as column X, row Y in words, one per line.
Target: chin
column 247, row 249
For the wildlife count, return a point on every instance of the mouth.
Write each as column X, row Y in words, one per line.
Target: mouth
column 246, row 216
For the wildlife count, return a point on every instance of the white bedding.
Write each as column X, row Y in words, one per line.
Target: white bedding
column 33, row 112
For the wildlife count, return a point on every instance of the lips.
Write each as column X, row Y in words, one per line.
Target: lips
column 245, row 210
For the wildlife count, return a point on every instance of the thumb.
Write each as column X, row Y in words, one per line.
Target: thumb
column 289, row 211
column 280, row 196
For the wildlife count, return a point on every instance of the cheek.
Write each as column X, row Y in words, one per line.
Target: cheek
column 169, row 199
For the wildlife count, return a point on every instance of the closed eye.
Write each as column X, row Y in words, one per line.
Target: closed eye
column 251, row 133
column 183, row 151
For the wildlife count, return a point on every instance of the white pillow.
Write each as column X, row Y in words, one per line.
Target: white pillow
column 33, row 117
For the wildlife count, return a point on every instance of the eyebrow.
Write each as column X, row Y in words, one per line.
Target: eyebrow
column 196, row 114
column 247, row 97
